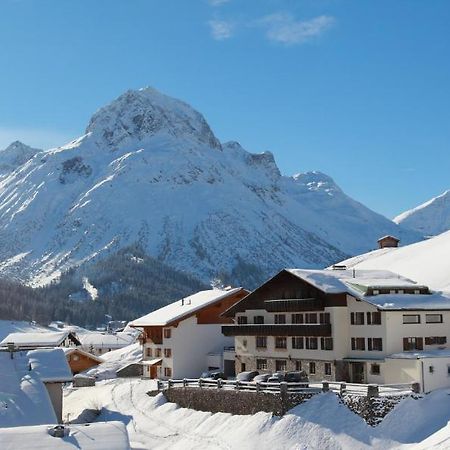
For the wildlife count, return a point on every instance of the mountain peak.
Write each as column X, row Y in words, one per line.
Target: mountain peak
column 143, row 113
column 316, row 181
column 16, row 154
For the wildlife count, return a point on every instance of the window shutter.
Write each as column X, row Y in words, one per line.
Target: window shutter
column 352, row 318
column 405, row 344
column 419, row 343
column 369, row 319
column 369, row 343
column 353, row 343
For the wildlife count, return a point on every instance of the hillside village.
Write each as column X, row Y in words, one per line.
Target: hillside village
column 356, row 332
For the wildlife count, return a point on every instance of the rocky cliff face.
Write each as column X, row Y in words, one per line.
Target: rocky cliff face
column 150, row 171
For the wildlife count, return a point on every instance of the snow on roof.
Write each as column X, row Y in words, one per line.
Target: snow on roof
column 388, row 236
column 50, row 364
column 111, row 340
column 356, row 283
column 14, row 326
column 48, row 339
column 444, row 353
column 183, row 307
column 69, row 350
column 24, row 400
column 94, row 436
column 426, row 262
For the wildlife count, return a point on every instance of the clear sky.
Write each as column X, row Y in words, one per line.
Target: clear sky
column 358, row 89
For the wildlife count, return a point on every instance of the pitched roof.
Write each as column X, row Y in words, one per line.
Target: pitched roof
column 388, row 236
column 50, row 364
column 46, row 339
column 111, row 340
column 69, row 350
column 184, row 307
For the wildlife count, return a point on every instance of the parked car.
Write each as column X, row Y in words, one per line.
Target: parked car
column 296, row 377
column 247, row 376
column 214, row 375
column 276, row 377
column 262, row 378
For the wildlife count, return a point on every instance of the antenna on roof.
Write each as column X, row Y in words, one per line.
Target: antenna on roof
column 182, row 301
column 354, row 273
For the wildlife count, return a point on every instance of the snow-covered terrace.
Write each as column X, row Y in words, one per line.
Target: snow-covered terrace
column 357, row 283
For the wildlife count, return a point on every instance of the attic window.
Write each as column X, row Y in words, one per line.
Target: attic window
column 375, row 292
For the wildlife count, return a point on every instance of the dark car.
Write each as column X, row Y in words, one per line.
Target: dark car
column 247, row 376
column 296, row 377
column 276, row 377
column 262, row 378
column 214, row 375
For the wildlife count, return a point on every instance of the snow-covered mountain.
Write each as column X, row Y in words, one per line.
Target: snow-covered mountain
column 150, row 171
column 15, row 155
column 430, row 218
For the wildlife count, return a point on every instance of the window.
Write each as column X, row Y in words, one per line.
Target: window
column 261, row 364
column 311, row 318
column 297, row 318
column 167, row 333
column 167, row 372
column 280, row 318
column 326, row 343
column 242, row 320
column 433, row 318
column 298, row 366
column 431, row 369
column 324, row 318
column 375, row 344
column 297, row 342
column 75, row 357
column 258, row 320
column 242, row 367
column 311, row 343
column 374, row 318
column 158, row 353
column 412, row 343
column 280, row 342
column 448, row 370
column 148, row 352
column 327, row 368
column 435, row 340
column 411, row 318
column 358, row 343
column 312, row 368
column 261, row 341
column 280, row 365
column 168, row 353
column 357, row 318
column 375, row 369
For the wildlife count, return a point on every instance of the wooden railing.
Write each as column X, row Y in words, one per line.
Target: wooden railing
column 342, row 388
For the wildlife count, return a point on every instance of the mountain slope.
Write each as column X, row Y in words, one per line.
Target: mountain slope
column 426, row 262
column 430, row 218
column 15, row 155
column 150, row 171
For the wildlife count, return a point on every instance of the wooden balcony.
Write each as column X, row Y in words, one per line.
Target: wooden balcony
column 294, row 305
column 277, row 330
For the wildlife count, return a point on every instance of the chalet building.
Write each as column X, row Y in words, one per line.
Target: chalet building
column 363, row 326
column 50, row 339
column 177, row 338
column 388, row 241
column 80, row 360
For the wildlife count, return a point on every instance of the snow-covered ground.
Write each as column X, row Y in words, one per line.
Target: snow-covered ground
column 322, row 423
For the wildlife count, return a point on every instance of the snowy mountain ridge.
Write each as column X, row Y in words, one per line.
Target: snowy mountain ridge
column 150, row 171
column 430, row 218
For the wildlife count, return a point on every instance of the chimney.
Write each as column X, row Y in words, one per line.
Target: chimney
column 182, row 301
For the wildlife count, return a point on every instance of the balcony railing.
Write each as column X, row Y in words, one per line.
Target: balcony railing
column 294, row 305
column 277, row 330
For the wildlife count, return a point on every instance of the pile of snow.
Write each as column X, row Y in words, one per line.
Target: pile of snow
column 17, row 326
column 115, row 360
column 430, row 218
column 322, row 423
column 426, row 262
column 98, row 436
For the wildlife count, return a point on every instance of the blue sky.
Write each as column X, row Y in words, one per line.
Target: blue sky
column 357, row 89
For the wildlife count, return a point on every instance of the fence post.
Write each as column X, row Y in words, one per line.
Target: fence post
column 169, row 384
column 159, row 385
column 372, row 390
column 219, row 383
column 325, row 386
column 200, row 382
column 258, row 387
column 184, row 382
column 283, row 395
column 415, row 387
column 342, row 388
column 236, row 386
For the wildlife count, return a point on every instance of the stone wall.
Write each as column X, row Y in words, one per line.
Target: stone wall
column 371, row 409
